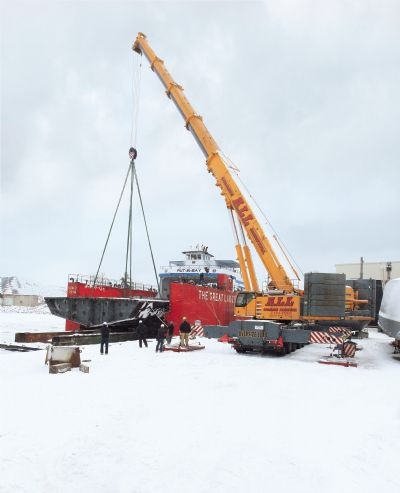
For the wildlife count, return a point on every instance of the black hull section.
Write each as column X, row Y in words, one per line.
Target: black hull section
column 91, row 312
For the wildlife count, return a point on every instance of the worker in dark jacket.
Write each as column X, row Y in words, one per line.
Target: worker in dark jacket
column 105, row 336
column 170, row 332
column 184, row 330
column 160, row 338
column 142, row 333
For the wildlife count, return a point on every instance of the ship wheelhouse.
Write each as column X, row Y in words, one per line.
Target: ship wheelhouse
column 199, row 267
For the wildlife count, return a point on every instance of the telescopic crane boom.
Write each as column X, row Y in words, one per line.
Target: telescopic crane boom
column 234, row 198
column 325, row 298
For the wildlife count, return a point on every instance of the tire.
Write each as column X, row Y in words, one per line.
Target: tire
column 288, row 347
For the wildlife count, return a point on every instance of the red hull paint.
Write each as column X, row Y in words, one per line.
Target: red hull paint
column 209, row 305
column 81, row 290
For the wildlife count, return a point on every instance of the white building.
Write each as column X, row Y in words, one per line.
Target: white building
column 383, row 271
column 20, row 300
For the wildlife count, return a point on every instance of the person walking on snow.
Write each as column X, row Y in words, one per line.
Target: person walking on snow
column 160, row 338
column 184, row 330
column 105, row 336
column 170, row 332
column 142, row 333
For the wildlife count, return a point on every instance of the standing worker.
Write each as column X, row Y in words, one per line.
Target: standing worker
column 160, row 338
column 105, row 336
column 142, row 333
column 184, row 330
column 170, row 332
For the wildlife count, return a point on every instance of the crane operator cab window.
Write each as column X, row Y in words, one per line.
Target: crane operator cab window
column 243, row 299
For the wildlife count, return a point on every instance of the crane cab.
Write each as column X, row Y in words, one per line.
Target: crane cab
column 245, row 304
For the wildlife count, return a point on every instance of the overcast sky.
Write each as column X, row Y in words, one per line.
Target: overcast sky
column 303, row 96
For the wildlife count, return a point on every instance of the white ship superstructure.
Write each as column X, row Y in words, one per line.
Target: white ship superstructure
column 200, row 267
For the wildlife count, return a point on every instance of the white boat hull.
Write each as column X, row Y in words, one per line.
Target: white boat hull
column 389, row 313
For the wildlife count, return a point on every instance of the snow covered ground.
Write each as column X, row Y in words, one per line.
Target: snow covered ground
column 207, row 421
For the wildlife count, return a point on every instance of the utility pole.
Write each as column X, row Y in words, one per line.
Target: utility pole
column 388, row 270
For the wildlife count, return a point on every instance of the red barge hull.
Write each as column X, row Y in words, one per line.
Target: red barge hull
column 81, row 289
column 202, row 305
column 200, row 288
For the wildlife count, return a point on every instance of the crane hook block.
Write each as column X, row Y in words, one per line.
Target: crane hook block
column 132, row 153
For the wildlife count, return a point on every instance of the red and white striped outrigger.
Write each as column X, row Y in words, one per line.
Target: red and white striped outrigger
column 345, row 349
column 334, row 335
column 197, row 330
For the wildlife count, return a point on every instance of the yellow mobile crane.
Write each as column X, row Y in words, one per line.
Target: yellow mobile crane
column 283, row 301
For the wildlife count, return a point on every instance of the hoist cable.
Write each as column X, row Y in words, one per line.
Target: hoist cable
column 131, row 243
column 134, row 136
column 112, row 224
column 132, row 171
column 136, row 85
column 138, row 102
column 147, row 230
column 280, row 243
column 132, row 100
column 128, row 257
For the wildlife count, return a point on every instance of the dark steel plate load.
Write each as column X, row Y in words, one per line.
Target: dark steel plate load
column 89, row 312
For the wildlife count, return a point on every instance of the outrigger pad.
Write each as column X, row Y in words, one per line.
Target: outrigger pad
column 177, row 348
column 337, row 361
